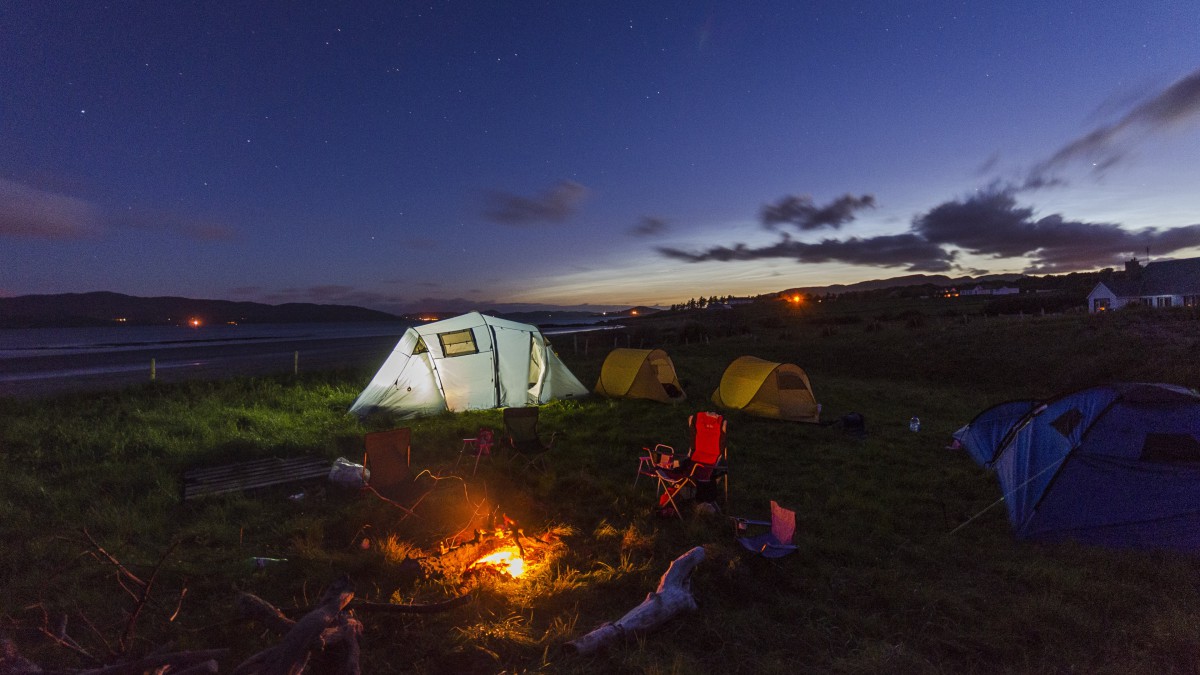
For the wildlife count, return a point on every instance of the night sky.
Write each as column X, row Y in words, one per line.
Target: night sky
column 457, row 155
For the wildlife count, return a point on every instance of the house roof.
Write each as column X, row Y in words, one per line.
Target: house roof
column 1166, row 277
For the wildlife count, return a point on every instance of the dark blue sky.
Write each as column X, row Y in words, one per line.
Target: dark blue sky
column 476, row 154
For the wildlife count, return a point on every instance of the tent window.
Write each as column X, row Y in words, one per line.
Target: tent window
column 1170, row 448
column 420, row 347
column 458, row 343
column 1067, row 422
column 789, row 381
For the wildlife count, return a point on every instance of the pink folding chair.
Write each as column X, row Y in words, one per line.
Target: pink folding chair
column 775, row 543
column 479, row 446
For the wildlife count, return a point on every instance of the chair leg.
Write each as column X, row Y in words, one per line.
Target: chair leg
column 669, row 492
column 463, row 449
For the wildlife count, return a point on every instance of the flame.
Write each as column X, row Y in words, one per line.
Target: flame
column 504, row 560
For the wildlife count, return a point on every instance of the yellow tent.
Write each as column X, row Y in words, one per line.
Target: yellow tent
column 639, row 373
column 767, row 389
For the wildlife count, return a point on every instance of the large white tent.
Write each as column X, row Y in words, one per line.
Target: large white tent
column 468, row 362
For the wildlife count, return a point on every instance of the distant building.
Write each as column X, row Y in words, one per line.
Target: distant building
column 980, row 290
column 1166, row 283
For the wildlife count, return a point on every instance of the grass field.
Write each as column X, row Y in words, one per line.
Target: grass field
column 878, row 585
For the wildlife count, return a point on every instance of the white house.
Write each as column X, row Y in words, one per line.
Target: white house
column 980, row 290
column 1166, row 283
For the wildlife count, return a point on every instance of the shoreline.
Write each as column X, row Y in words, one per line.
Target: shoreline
column 44, row 376
column 31, row 376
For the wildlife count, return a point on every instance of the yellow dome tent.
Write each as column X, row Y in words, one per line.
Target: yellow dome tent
column 767, row 389
column 639, row 373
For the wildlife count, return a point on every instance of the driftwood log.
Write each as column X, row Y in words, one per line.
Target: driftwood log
column 324, row 627
column 674, row 595
column 290, row 656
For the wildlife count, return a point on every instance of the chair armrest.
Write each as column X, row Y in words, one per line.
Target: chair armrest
column 663, row 456
column 740, row 525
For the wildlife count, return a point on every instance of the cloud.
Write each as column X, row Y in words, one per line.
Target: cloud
column 649, row 226
column 991, row 223
column 156, row 220
column 330, row 294
column 803, row 214
column 906, row 250
column 29, row 213
column 1107, row 145
column 554, row 206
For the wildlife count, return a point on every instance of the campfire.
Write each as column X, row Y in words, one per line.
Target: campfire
column 504, row 561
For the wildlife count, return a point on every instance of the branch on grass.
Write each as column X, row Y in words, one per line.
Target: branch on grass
column 178, row 663
column 101, row 553
column 172, row 659
column 674, row 595
column 131, row 624
column 60, row 637
column 430, row 608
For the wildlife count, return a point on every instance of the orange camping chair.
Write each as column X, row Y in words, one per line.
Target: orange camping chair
column 387, row 462
column 704, row 464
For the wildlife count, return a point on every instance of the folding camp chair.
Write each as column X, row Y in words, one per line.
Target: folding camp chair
column 479, row 446
column 387, row 463
column 521, row 425
column 704, row 464
column 775, row 543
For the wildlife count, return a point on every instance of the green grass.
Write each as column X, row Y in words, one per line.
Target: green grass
column 878, row 586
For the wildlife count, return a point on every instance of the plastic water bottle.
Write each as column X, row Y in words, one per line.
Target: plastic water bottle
column 914, row 424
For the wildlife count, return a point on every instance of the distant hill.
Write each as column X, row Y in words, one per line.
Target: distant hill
column 907, row 280
column 103, row 308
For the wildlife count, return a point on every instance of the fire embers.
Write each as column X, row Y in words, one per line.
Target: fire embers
column 505, row 562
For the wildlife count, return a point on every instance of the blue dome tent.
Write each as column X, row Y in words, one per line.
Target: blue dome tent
column 1115, row 465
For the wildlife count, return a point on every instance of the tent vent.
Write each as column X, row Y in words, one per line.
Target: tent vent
column 1067, row 422
column 1170, row 448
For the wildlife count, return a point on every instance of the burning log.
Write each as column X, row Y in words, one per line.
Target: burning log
column 674, row 595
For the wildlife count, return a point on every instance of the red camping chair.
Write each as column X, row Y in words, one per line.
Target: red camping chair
column 705, row 463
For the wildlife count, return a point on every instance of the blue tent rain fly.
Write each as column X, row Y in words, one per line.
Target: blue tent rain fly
column 1115, row 465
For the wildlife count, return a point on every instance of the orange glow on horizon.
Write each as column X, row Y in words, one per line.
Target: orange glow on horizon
column 194, row 322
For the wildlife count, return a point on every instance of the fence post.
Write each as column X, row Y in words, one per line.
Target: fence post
column 152, row 370
column 296, row 362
